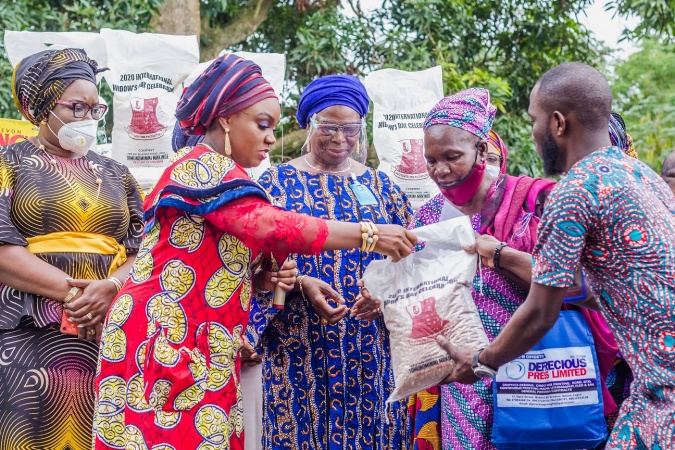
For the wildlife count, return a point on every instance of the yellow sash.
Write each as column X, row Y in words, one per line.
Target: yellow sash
column 79, row 242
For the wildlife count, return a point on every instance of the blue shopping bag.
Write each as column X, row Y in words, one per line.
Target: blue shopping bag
column 551, row 397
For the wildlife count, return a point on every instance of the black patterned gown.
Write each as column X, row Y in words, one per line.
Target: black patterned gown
column 46, row 377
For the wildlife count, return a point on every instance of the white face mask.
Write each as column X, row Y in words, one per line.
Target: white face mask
column 492, row 170
column 77, row 137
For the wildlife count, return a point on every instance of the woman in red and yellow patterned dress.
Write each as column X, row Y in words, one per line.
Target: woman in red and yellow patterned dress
column 169, row 369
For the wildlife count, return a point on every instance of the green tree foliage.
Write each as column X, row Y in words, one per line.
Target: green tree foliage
column 645, row 96
column 657, row 17
column 515, row 40
column 56, row 15
column 503, row 45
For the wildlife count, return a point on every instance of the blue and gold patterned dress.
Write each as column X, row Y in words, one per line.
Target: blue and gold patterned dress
column 325, row 386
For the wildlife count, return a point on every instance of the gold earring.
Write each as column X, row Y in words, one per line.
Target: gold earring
column 228, row 147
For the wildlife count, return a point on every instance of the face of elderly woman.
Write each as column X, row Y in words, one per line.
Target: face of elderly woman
column 450, row 153
column 334, row 149
column 252, row 132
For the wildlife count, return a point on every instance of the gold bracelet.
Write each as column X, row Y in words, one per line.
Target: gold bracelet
column 300, row 286
column 71, row 293
column 116, row 282
column 372, row 246
column 364, row 235
column 369, row 236
column 375, row 236
column 368, row 232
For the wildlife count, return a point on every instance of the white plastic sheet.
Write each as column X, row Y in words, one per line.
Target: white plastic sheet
column 20, row 44
column 146, row 73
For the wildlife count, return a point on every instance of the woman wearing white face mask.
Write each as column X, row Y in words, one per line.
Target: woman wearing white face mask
column 495, row 158
column 70, row 225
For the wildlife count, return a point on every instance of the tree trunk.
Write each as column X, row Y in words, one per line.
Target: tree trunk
column 236, row 30
column 292, row 143
column 177, row 17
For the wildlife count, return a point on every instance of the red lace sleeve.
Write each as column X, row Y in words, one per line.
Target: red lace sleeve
column 261, row 226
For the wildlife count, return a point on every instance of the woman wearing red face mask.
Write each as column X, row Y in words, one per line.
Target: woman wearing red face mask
column 505, row 211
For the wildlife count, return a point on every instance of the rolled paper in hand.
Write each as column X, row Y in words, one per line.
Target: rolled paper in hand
column 279, row 299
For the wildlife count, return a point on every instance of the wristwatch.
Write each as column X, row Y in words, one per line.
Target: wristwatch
column 481, row 370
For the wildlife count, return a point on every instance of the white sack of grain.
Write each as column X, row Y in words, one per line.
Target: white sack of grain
column 426, row 295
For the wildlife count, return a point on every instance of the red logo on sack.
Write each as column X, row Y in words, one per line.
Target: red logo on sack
column 144, row 124
column 426, row 323
column 413, row 165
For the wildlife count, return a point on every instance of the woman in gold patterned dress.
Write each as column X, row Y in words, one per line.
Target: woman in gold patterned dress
column 70, row 224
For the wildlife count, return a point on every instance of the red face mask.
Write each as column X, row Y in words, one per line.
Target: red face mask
column 467, row 187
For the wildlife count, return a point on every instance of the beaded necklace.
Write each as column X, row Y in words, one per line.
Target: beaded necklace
column 349, row 166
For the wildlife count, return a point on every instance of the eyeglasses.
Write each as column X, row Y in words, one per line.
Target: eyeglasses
column 331, row 129
column 493, row 159
column 80, row 109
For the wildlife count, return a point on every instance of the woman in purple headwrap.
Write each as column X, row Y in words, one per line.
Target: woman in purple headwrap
column 326, row 359
column 618, row 135
column 169, row 368
column 496, row 155
column 505, row 211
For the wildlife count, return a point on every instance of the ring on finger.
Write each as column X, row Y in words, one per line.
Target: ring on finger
column 91, row 332
column 89, row 316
